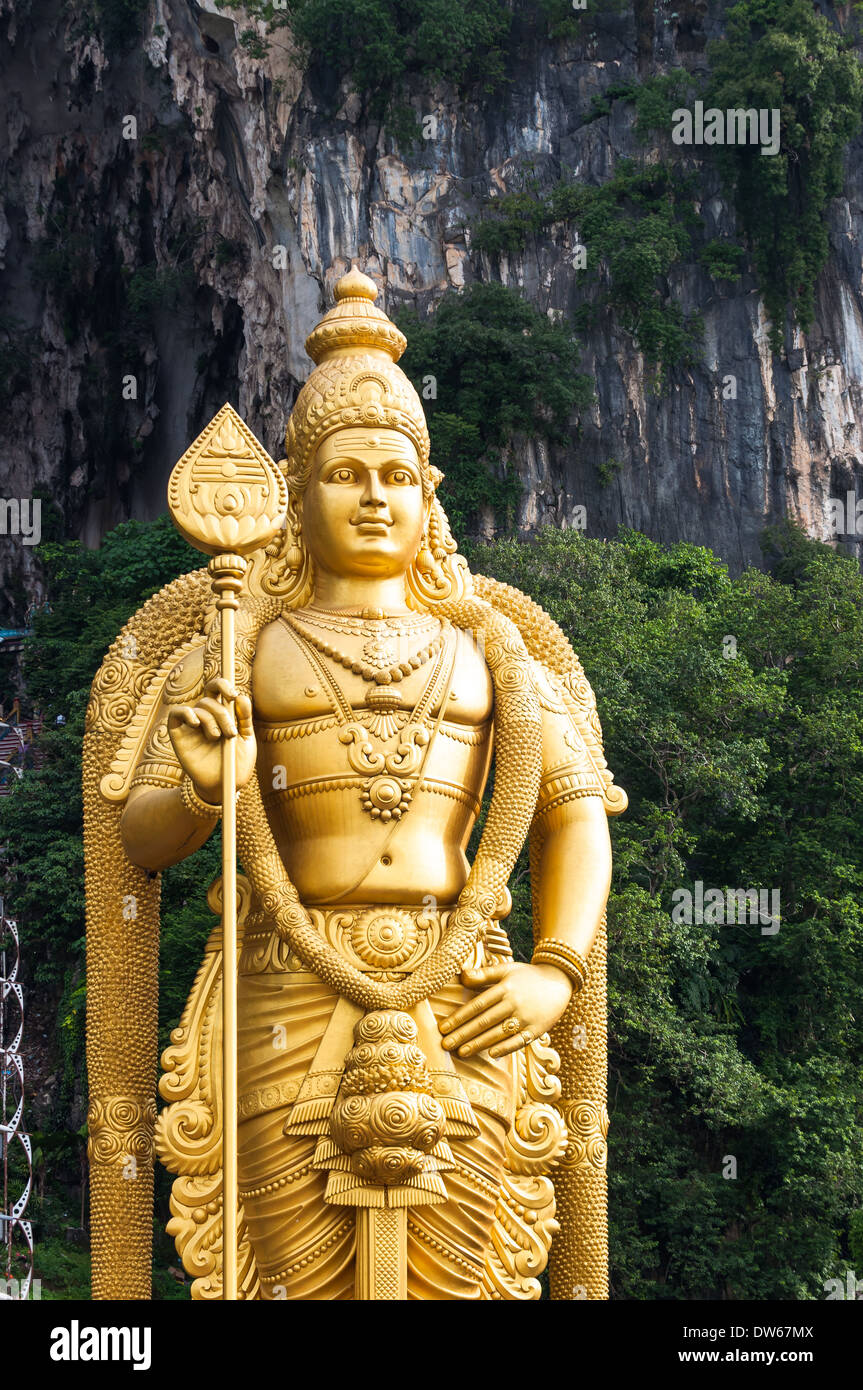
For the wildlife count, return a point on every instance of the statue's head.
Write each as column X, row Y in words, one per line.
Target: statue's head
column 361, row 487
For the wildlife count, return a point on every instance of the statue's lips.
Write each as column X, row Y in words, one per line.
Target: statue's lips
column 372, row 528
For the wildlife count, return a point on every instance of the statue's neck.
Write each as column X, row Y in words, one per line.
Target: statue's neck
column 348, row 591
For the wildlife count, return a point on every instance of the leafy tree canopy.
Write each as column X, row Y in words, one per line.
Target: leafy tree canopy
column 732, row 711
column 488, row 365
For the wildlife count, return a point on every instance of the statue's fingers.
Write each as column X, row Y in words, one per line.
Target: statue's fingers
column 223, row 717
column 472, row 1009
column 492, row 1037
column 243, row 711
column 208, row 724
column 510, row 1045
column 182, row 714
column 485, row 975
column 217, row 685
column 477, row 1028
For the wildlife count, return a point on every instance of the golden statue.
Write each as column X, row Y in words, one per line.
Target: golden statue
column 405, row 1125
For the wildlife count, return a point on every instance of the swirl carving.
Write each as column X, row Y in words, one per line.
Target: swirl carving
column 587, row 1124
column 537, row 1139
column 120, row 1127
column 386, row 1117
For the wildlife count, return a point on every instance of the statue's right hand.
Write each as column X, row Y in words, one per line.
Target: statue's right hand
column 198, row 731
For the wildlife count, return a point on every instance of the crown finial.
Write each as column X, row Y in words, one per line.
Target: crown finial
column 355, row 322
column 355, row 285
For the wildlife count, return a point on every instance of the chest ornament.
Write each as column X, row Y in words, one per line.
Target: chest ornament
column 390, row 773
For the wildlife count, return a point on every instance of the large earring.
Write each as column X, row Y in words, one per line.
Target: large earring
column 425, row 561
column 294, row 531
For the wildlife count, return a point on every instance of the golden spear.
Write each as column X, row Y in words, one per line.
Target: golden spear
column 228, row 498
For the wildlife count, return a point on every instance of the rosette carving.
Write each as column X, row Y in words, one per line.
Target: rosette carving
column 385, row 1144
column 587, row 1123
column 384, row 939
column 119, row 1128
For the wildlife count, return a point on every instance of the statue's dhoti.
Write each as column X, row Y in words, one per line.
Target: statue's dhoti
column 292, row 1044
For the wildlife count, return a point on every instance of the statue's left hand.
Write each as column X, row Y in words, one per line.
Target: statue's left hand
column 535, row 996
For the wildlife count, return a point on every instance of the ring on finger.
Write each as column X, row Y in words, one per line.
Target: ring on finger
column 510, row 1026
column 526, row 1036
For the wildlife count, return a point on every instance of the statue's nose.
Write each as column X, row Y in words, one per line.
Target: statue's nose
column 372, row 494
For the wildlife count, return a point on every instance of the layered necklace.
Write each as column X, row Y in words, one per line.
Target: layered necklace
column 384, row 636
column 389, row 776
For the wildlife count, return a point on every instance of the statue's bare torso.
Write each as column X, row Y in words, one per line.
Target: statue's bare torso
column 333, row 849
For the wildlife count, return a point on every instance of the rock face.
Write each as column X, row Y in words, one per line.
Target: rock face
column 175, row 215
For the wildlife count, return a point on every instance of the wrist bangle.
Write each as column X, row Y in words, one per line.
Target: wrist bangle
column 195, row 804
column 552, row 951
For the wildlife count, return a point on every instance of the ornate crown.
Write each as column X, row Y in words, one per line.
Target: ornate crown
column 355, row 381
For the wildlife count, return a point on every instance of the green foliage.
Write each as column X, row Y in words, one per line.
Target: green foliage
column 488, row 366
column 654, row 99
column 608, row 470
column 785, row 55
column 91, row 593
column 777, row 55
column 635, row 228
column 63, row 1268
column 561, row 20
column 228, row 251
column 378, row 44
column 615, row 91
column 722, row 259
column 744, row 771
column 154, row 287
column 658, row 97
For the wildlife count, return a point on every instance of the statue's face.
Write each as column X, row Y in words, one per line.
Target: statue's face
column 363, row 509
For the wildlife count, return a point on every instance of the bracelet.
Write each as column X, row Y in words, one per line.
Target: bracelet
column 552, row 951
column 195, row 804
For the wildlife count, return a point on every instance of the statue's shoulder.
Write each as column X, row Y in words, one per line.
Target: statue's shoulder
column 156, row 660
column 545, row 641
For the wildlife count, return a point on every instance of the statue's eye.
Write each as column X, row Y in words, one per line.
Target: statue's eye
column 400, row 476
column 342, row 475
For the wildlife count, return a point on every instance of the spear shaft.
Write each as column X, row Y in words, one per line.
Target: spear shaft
column 227, row 572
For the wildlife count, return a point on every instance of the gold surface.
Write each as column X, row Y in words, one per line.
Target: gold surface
column 360, row 782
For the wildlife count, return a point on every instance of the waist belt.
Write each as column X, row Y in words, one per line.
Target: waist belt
column 386, row 942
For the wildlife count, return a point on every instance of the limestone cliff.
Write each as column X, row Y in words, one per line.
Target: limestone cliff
column 142, row 285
